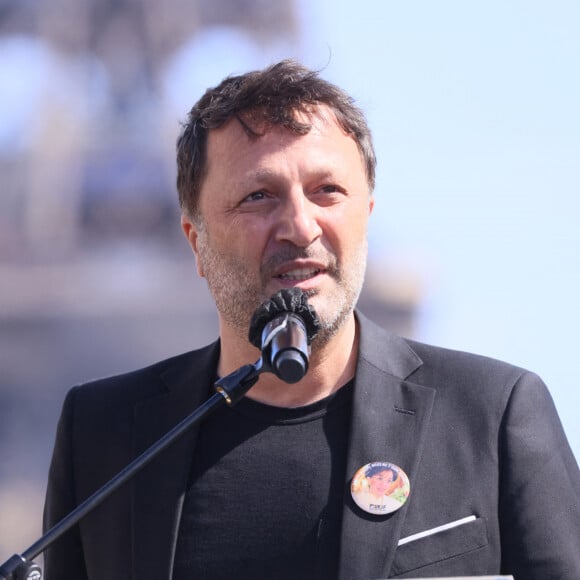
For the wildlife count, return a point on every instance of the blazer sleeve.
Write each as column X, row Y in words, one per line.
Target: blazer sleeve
column 64, row 559
column 539, row 488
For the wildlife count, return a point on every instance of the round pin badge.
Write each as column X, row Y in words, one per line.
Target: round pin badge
column 380, row 488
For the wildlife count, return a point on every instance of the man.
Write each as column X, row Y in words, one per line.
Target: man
column 275, row 177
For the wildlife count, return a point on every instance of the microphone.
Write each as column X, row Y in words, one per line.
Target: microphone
column 283, row 328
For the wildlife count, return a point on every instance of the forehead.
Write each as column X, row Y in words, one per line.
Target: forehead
column 382, row 473
column 231, row 148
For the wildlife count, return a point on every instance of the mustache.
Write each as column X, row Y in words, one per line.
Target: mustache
column 295, row 253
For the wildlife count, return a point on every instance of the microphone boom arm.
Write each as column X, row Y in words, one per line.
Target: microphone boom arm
column 282, row 328
column 229, row 389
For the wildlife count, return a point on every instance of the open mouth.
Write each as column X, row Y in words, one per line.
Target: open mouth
column 299, row 274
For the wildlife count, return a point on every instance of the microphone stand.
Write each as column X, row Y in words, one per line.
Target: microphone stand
column 229, row 389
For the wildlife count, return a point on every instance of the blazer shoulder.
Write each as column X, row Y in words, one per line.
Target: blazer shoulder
column 463, row 361
column 476, row 376
column 132, row 386
column 431, row 365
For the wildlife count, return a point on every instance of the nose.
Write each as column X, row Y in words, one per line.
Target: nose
column 298, row 221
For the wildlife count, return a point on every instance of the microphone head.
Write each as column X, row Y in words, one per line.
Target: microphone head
column 288, row 300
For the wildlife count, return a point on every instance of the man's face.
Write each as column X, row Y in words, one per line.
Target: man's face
column 279, row 211
column 380, row 482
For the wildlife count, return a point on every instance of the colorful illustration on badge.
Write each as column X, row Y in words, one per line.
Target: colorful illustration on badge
column 380, row 488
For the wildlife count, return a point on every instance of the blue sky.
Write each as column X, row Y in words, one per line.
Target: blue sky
column 476, row 118
column 475, row 108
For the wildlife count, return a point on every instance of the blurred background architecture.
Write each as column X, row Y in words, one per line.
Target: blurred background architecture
column 475, row 240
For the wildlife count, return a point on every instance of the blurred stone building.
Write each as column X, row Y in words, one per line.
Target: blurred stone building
column 95, row 277
column 92, row 94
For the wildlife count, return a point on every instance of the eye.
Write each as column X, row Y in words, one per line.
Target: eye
column 255, row 196
column 330, row 188
column 328, row 194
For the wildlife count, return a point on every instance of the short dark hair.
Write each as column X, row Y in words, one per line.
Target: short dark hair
column 375, row 469
column 270, row 96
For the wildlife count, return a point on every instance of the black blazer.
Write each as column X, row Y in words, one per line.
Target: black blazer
column 476, row 437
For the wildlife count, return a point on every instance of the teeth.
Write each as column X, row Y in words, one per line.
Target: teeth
column 300, row 274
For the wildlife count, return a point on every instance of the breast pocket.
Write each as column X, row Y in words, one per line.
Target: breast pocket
column 449, row 548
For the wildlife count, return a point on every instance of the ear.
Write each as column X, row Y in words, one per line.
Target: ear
column 191, row 231
column 371, row 203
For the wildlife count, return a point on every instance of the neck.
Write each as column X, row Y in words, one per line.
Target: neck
column 331, row 366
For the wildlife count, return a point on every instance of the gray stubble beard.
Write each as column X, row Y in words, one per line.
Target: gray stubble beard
column 237, row 307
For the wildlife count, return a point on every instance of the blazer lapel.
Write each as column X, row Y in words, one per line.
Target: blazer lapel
column 389, row 421
column 159, row 489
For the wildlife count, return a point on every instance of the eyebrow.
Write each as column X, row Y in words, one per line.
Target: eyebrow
column 260, row 174
column 256, row 179
column 264, row 175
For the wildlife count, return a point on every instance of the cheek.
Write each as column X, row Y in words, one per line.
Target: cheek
column 345, row 234
column 243, row 243
column 253, row 237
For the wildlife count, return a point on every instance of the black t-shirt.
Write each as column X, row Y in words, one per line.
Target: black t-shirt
column 266, row 493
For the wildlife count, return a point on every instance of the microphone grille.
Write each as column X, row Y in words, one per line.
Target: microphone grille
column 288, row 300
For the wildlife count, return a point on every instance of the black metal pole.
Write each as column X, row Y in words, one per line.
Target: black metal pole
column 230, row 390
